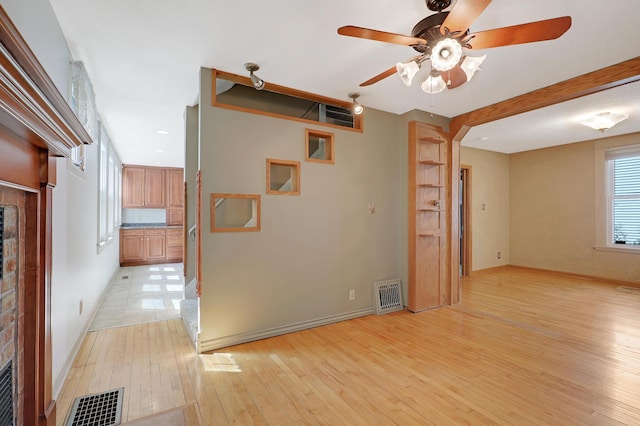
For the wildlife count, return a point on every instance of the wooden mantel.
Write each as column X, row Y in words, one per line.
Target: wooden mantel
column 36, row 125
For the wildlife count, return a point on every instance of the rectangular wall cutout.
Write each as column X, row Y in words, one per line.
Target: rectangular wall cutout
column 235, row 212
column 283, row 177
column 319, row 146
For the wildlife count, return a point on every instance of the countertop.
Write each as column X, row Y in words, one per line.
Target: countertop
column 148, row 226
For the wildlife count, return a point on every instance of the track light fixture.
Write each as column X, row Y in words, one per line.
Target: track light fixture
column 258, row 83
column 356, row 108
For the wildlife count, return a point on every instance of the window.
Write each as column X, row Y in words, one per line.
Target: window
column 109, row 179
column 623, row 166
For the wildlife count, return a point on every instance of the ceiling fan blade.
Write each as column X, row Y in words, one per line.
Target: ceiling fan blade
column 379, row 77
column 462, row 15
column 548, row 29
column 455, row 77
column 360, row 32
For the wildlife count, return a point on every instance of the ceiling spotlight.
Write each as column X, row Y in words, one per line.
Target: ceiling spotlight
column 357, row 108
column 258, row 83
column 604, row 120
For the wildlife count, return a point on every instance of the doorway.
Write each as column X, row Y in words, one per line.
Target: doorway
column 465, row 220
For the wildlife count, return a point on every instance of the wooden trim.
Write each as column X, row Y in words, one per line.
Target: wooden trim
column 358, row 120
column 467, row 221
column 27, row 92
column 199, row 232
column 329, row 141
column 489, row 270
column 586, row 84
column 572, row 275
column 295, row 165
column 215, row 228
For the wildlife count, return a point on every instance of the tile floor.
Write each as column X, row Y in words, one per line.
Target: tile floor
column 142, row 294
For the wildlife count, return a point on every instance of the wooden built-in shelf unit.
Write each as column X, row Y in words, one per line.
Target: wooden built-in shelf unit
column 427, row 218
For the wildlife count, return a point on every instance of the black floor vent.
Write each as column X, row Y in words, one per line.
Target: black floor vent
column 6, row 395
column 100, row 409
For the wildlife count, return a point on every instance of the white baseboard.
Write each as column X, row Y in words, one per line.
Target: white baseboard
column 236, row 339
column 61, row 377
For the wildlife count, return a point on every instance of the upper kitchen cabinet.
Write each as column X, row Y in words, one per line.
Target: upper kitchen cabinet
column 143, row 187
column 175, row 188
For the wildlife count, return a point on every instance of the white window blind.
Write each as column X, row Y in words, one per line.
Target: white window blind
column 624, row 194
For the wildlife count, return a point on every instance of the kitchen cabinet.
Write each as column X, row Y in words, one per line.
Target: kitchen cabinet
column 175, row 188
column 174, row 245
column 143, row 187
column 132, row 247
column 147, row 246
column 155, row 245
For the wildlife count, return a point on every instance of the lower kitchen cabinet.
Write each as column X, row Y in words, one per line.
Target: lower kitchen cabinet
column 150, row 246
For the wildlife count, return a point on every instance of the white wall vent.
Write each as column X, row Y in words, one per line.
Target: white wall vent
column 388, row 296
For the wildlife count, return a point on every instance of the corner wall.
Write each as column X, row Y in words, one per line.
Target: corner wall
column 313, row 248
column 490, row 207
column 553, row 203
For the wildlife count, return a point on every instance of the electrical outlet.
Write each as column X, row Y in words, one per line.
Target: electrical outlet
column 80, row 308
column 499, row 255
column 352, row 294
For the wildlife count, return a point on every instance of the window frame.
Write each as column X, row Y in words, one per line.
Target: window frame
column 604, row 186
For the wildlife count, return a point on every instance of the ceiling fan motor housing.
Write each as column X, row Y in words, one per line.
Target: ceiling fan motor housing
column 438, row 5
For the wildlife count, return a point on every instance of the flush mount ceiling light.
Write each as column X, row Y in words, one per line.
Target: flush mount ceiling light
column 356, row 108
column 604, row 120
column 444, row 39
column 257, row 82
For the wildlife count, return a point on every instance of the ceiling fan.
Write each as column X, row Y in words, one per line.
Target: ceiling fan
column 441, row 37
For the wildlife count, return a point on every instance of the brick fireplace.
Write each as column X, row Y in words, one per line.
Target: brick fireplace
column 11, row 300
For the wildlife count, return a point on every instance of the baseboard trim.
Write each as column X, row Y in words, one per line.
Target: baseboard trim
column 579, row 276
column 585, row 277
column 236, row 339
column 58, row 381
column 489, row 270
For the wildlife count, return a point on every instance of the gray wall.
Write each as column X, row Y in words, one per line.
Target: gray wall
column 190, row 170
column 313, row 248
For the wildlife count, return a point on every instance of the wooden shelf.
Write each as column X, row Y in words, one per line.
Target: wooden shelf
column 430, row 234
column 431, row 163
column 430, row 185
column 429, row 139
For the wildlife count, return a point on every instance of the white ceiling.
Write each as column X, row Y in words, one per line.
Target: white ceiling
column 143, row 58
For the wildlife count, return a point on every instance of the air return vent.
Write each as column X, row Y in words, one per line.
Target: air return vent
column 388, row 296
column 6, row 394
column 100, row 409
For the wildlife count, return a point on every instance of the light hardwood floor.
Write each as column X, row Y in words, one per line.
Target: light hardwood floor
column 521, row 348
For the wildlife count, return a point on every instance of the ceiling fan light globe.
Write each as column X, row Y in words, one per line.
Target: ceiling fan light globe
column 472, row 64
column 433, row 84
column 446, row 54
column 406, row 71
